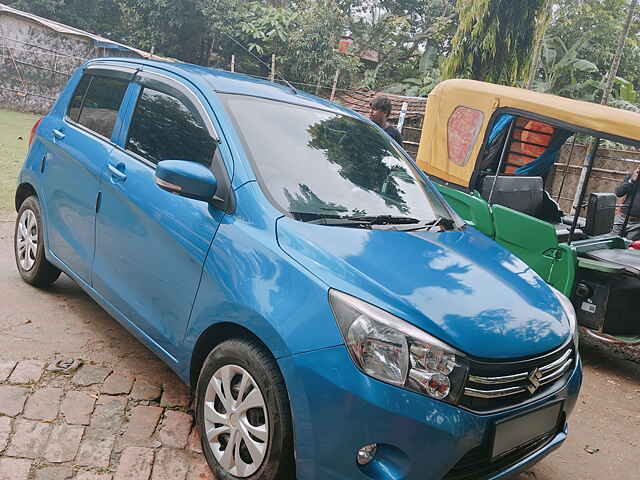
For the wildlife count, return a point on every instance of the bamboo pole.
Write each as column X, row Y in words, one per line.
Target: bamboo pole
column 233, row 63
column 537, row 49
column 616, row 61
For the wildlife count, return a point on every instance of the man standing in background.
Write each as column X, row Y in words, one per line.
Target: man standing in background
column 380, row 109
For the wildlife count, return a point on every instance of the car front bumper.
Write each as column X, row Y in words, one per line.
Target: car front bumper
column 337, row 409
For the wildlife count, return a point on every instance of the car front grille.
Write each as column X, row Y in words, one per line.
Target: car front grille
column 477, row 463
column 500, row 385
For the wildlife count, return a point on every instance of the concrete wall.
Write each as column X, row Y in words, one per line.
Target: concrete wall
column 36, row 62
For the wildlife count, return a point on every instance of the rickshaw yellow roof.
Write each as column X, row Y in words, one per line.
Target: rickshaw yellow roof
column 585, row 117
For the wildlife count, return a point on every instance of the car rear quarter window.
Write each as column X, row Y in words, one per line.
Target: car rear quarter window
column 99, row 110
column 165, row 128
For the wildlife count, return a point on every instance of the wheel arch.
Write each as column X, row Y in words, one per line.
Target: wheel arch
column 24, row 191
column 214, row 335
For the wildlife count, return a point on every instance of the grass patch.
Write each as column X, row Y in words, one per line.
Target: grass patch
column 14, row 139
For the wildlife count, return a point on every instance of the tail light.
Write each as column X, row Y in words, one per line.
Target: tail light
column 33, row 131
column 635, row 245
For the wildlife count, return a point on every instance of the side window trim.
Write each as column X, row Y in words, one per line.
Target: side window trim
column 128, row 107
column 169, row 86
column 73, row 96
column 112, row 71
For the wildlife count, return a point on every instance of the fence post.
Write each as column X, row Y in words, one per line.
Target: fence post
column 403, row 114
column 273, row 67
column 335, row 84
column 233, row 63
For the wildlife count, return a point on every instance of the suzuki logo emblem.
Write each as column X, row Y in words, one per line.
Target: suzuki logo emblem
column 534, row 381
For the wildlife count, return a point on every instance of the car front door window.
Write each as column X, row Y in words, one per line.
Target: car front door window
column 164, row 128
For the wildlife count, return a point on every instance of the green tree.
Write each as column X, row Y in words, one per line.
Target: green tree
column 103, row 17
column 302, row 35
column 602, row 20
column 494, row 40
column 400, row 30
column 172, row 28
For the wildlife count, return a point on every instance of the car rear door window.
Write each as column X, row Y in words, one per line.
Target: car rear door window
column 78, row 96
column 165, row 128
column 99, row 109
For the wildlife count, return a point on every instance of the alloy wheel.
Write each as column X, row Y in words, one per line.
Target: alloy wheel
column 27, row 240
column 236, row 425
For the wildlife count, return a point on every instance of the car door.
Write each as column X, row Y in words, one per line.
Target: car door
column 78, row 149
column 151, row 244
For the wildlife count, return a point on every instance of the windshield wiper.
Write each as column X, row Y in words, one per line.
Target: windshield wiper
column 384, row 219
column 329, row 219
column 445, row 223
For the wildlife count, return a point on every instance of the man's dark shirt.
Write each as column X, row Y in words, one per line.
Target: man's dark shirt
column 626, row 188
column 394, row 133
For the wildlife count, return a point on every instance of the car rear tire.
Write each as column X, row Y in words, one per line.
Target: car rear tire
column 28, row 246
column 243, row 414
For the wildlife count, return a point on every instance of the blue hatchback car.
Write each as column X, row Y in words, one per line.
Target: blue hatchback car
column 290, row 262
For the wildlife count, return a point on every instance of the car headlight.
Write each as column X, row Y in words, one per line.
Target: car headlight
column 567, row 306
column 391, row 350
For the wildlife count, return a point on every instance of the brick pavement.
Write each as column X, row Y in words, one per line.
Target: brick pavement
column 94, row 424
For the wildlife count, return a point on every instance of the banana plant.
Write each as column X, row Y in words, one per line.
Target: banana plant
column 422, row 85
column 562, row 71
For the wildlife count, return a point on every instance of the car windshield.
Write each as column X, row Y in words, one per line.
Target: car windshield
column 317, row 164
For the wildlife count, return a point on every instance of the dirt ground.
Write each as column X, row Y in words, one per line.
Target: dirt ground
column 63, row 322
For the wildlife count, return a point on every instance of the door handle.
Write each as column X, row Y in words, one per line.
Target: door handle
column 58, row 134
column 117, row 172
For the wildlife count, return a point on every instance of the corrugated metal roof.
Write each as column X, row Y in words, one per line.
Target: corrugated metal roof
column 67, row 30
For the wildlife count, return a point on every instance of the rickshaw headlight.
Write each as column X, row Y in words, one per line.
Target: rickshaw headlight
column 393, row 351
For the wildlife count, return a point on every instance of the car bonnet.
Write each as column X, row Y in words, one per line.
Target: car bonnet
column 459, row 286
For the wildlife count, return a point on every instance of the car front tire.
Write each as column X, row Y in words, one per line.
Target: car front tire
column 28, row 244
column 243, row 414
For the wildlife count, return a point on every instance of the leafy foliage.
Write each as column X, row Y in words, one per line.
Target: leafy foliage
column 427, row 81
column 303, row 37
column 602, row 21
column 562, row 71
column 493, row 41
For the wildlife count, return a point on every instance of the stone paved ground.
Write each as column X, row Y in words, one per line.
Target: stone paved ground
column 94, row 424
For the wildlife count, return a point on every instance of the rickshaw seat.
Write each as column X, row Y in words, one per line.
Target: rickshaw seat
column 628, row 259
column 524, row 194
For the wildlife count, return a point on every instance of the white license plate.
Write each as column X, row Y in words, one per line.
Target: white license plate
column 516, row 431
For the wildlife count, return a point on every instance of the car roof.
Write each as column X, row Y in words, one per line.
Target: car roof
column 234, row 83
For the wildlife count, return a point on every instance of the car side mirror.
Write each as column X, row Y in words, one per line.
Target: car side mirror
column 187, row 179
